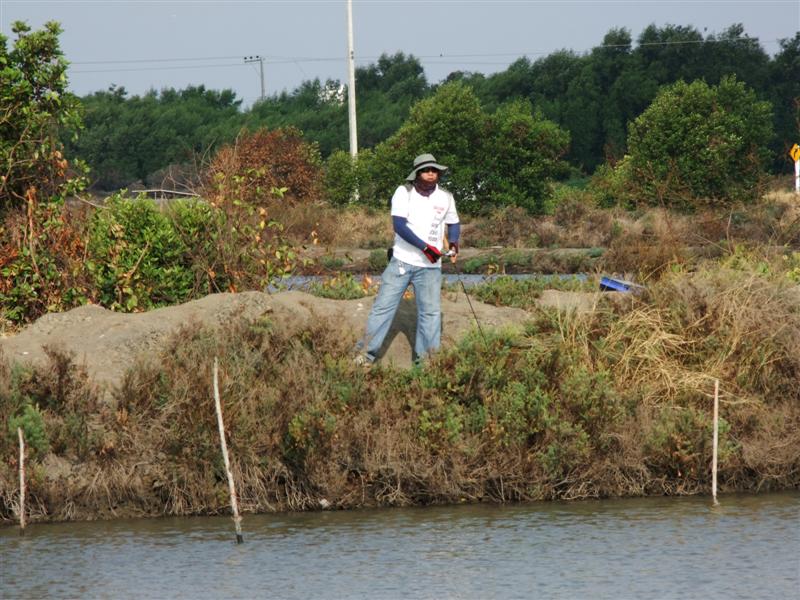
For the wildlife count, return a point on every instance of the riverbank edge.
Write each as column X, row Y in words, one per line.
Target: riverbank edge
column 123, row 515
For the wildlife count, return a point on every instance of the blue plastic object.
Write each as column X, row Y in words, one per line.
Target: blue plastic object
column 610, row 284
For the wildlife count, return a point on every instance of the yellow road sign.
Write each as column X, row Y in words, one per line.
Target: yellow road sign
column 795, row 152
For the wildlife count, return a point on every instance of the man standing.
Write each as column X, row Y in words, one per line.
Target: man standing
column 420, row 211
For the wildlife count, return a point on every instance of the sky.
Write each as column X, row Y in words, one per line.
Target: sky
column 152, row 44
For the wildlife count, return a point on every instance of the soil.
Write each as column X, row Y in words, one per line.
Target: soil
column 108, row 343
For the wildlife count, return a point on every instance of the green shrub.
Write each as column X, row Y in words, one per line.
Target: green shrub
column 308, row 430
column 340, row 178
column 441, row 424
column 678, row 443
column 591, row 399
column 792, row 266
column 521, row 412
column 136, row 257
column 192, row 219
column 612, row 186
column 378, row 259
column 568, row 448
column 198, row 226
column 31, row 421
column 332, row 262
column 698, row 144
column 507, row 291
column 477, row 264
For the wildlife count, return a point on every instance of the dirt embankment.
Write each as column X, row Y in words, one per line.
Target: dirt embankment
column 108, row 343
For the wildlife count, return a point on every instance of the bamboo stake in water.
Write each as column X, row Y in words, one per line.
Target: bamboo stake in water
column 21, row 481
column 237, row 520
column 715, row 443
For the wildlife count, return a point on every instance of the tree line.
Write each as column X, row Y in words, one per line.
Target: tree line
column 594, row 96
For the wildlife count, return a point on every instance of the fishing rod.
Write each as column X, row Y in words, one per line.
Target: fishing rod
column 452, row 253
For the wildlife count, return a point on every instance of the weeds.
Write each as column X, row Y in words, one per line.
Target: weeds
column 523, row 293
column 500, row 262
column 343, row 287
column 332, row 263
column 378, row 259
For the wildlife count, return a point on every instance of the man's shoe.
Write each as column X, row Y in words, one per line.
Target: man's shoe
column 362, row 360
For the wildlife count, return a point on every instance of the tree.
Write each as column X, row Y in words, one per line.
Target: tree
column 509, row 157
column 699, row 144
column 517, row 81
column 129, row 139
column 733, row 52
column 521, row 154
column 671, row 53
column 449, row 125
column 40, row 248
column 386, row 91
column 317, row 109
column 35, row 110
column 785, row 96
column 552, row 75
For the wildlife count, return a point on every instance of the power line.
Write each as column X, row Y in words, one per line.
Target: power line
column 300, row 59
column 442, row 59
column 184, row 59
column 157, row 68
column 146, row 60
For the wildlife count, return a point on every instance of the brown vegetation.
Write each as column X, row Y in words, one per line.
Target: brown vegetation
column 614, row 401
column 259, row 163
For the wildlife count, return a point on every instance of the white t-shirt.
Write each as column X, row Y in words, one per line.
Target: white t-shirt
column 427, row 217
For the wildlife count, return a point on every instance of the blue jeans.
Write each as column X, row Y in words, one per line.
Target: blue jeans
column 427, row 284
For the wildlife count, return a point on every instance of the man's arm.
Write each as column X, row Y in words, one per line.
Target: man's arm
column 453, row 232
column 402, row 229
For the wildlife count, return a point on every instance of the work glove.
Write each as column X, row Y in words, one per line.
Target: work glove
column 453, row 248
column 432, row 252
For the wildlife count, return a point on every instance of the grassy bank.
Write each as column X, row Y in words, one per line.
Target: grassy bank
column 614, row 402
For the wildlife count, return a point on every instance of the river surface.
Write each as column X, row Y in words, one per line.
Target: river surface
column 748, row 547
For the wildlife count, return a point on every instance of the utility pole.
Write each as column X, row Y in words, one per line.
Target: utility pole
column 260, row 61
column 351, row 89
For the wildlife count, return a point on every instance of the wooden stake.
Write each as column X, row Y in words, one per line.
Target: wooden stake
column 21, row 481
column 715, row 443
column 237, row 520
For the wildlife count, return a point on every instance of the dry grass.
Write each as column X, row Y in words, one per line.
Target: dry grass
column 775, row 219
column 350, row 227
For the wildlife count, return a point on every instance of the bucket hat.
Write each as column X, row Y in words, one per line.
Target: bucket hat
column 423, row 161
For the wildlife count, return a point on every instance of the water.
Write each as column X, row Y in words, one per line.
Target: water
column 303, row 282
column 749, row 547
